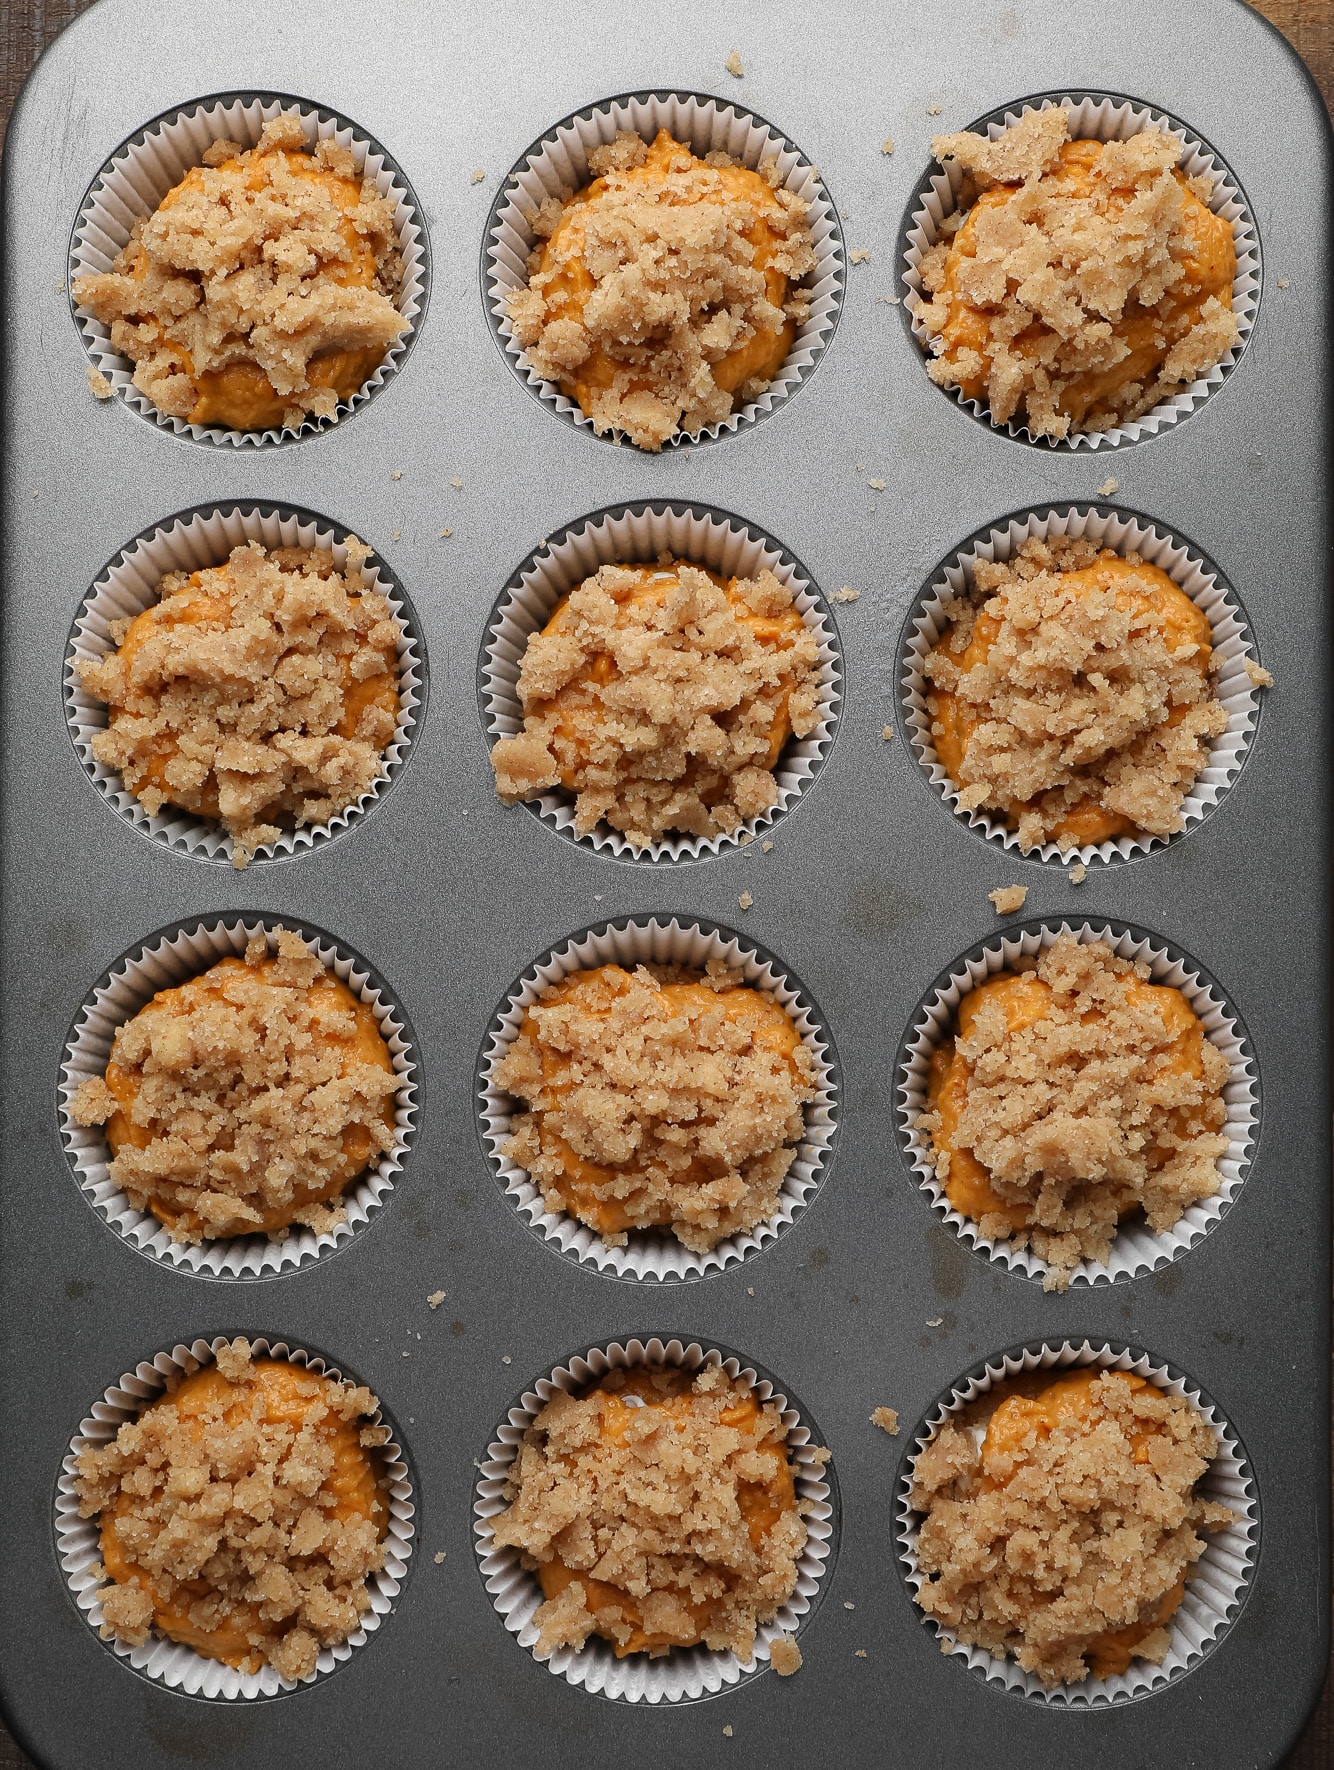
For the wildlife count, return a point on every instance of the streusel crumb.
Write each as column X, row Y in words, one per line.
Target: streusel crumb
column 1006, row 899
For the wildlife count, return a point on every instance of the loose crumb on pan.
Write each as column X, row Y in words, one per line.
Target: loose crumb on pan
column 846, row 594
column 1109, row 488
column 663, row 1097
column 1065, row 1538
column 435, row 1299
column 934, row 110
column 662, row 698
column 887, row 145
column 98, row 385
column 657, row 1510
column 727, row 1731
column 1260, row 677
column 262, row 692
column 876, row 485
column 439, row 1557
column 1078, row 284
column 665, row 291
column 745, row 900
column 733, row 65
column 887, row 1419
column 859, row 255
column 785, row 1656
column 1073, row 693
column 241, row 1513
column 477, row 174
column 246, row 1099
column 1006, row 899
column 262, row 288
column 1073, row 1094
column 887, row 733
column 1078, row 873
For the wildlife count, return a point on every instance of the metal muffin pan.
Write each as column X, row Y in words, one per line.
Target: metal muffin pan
column 873, row 888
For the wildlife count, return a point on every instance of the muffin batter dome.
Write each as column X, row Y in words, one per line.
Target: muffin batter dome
column 241, row 1514
column 660, row 293
column 262, row 288
column 1084, row 282
column 247, row 1099
column 1065, row 1539
column 262, row 692
column 661, row 1097
column 657, row 1512
column 662, row 698
column 1072, row 693
column 1074, row 1093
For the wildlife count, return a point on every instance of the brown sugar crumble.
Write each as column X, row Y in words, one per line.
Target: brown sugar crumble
column 666, row 1097
column 785, row 1656
column 1073, row 692
column 261, row 693
column 98, row 385
column 1080, row 283
column 242, row 1514
column 666, row 290
column 1006, row 899
column 1064, row 1540
column 262, row 288
column 1260, row 677
column 1073, row 1094
column 247, row 1099
column 887, row 1419
column 662, row 698
column 657, row 1511
column 733, row 65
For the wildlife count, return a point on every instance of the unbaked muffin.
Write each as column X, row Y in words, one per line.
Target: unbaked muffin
column 242, row 1513
column 657, row 1511
column 661, row 1097
column 261, row 290
column 666, row 290
column 261, row 693
column 662, row 697
column 1072, row 694
column 247, row 1099
column 1079, row 283
column 1073, row 1093
column 1060, row 1521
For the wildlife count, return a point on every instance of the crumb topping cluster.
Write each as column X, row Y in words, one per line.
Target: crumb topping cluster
column 1073, row 1094
column 659, row 293
column 262, row 288
column 658, row 1097
column 241, row 1514
column 262, row 692
column 1073, row 692
column 247, row 1099
column 662, row 698
column 657, row 1511
column 1078, row 284
column 1065, row 1538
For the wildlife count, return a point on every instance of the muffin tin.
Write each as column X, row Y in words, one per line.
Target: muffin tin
column 874, row 889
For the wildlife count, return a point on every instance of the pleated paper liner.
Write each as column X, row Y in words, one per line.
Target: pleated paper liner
column 1189, row 570
column 1136, row 1248
column 656, row 1253
column 1094, row 116
column 686, row 1673
column 1216, row 1586
column 139, row 174
column 636, row 534
column 194, row 541
column 78, row 1544
column 163, row 962
column 557, row 166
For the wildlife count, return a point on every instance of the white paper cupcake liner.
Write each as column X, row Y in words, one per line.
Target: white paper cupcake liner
column 557, row 166
column 1188, row 569
column 657, row 1254
column 686, row 1673
column 140, row 173
column 79, row 1546
column 1215, row 1588
column 191, row 542
column 636, row 534
column 1097, row 117
column 1136, row 1248
column 164, row 962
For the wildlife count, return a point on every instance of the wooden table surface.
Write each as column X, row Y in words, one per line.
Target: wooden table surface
column 27, row 26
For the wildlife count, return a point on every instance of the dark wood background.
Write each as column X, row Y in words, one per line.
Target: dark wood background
column 27, row 26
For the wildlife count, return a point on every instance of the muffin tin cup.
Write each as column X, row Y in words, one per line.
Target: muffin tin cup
column 637, row 534
column 194, row 541
column 1216, row 1586
column 78, row 1542
column 1136, row 1248
column 1189, row 570
column 140, row 173
column 557, row 166
column 164, row 962
column 657, row 1254
column 1095, row 117
column 684, row 1674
